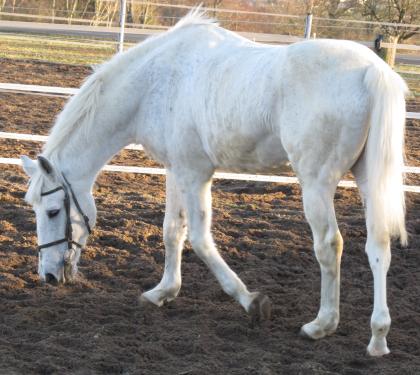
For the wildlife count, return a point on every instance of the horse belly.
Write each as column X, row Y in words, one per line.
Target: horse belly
column 266, row 155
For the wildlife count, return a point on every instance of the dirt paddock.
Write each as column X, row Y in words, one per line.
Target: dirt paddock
column 95, row 326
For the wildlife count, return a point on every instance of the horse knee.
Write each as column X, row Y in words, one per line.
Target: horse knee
column 173, row 237
column 336, row 243
column 174, row 231
column 201, row 244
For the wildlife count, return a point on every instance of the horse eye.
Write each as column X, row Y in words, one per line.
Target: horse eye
column 52, row 213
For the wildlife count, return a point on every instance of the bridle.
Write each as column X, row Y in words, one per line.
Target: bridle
column 68, row 236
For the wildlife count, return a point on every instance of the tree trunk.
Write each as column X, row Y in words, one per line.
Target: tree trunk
column 388, row 53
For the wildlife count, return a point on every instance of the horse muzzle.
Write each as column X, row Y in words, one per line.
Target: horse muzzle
column 63, row 273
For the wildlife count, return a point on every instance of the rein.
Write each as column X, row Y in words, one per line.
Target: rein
column 68, row 237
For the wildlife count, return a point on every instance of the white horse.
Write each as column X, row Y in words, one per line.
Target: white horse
column 200, row 98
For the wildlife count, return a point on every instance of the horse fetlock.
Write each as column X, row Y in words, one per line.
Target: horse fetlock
column 380, row 324
column 329, row 321
column 259, row 308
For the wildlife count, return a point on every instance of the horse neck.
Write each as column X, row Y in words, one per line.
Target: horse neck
column 81, row 158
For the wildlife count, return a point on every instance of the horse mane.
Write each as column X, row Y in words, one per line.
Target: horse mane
column 79, row 112
column 197, row 16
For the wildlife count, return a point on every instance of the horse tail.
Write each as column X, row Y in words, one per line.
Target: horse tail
column 385, row 206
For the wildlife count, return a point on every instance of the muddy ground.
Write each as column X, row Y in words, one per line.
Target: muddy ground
column 96, row 326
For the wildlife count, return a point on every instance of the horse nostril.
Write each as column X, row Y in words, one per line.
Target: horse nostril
column 50, row 279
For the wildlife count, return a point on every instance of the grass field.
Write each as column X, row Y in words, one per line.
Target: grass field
column 61, row 49
column 83, row 51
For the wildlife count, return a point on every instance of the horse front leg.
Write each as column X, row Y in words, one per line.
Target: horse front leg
column 328, row 246
column 174, row 233
column 197, row 198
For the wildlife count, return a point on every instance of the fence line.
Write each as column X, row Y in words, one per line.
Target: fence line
column 238, row 11
column 38, row 88
column 150, row 30
column 218, row 175
column 44, row 138
column 17, row 87
column 54, row 91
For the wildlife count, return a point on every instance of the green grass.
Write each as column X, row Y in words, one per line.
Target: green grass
column 64, row 49
column 407, row 69
column 411, row 74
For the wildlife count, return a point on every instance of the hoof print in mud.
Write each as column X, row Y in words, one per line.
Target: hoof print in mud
column 260, row 309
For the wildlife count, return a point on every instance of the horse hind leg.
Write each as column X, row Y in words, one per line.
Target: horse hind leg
column 174, row 234
column 328, row 246
column 197, row 196
column 378, row 251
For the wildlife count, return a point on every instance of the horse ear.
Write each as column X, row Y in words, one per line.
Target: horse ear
column 28, row 165
column 46, row 166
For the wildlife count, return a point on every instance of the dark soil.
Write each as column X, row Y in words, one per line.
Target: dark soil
column 95, row 326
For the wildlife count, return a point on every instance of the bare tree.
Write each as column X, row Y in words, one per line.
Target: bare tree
column 339, row 8
column 2, row 4
column 215, row 4
column 309, row 6
column 143, row 13
column 71, row 8
column 393, row 12
column 105, row 12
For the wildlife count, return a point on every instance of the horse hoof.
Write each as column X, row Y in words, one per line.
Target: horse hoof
column 377, row 353
column 305, row 336
column 259, row 309
column 377, row 348
column 145, row 303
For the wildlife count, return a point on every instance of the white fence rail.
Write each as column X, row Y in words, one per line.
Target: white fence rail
column 15, row 87
column 225, row 176
column 44, row 138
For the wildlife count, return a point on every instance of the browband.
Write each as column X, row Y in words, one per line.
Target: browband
column 51, row 191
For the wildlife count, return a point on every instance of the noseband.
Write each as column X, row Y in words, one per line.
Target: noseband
column 68, row 237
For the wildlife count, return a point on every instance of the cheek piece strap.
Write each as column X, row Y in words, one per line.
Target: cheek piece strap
column 68, row 235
